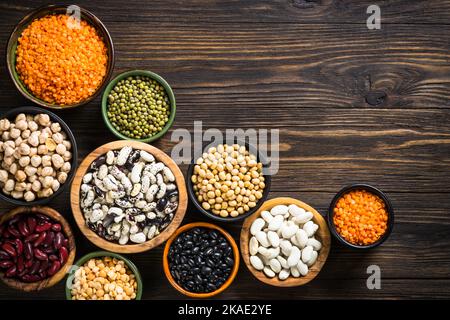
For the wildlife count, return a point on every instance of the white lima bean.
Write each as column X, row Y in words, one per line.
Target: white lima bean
column 313, row 259
column 253, row 246
column 266, row 216
column 257, row 225
column 280, row 209
column 286, row 247
column 307, row 254
column 274, row 239
column 261, row 236
column 294, row 257
column 283, row 262
column 294, row 210
column 269, row 272
column 310, row 228
column 276, row 223
column 284, row 274
column 302, row 238
column 256, row 262
column 275, row 265
column 288, row 229
column 303, row 217
column 294, row 272
column 302, row 268
column 314, row 243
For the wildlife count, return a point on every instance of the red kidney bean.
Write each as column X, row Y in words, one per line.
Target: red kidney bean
column 58, row 240
column 35, row 267
column 14, row 219
column 50, row 238
column 66, row 243
column 31, row 222
column 49, row 250
column 56, row 227
column 6, row 234
column 32, row 237
column 42, row 274
column 29, row 263
column 38, row 254
column 11, row 272
column 3, row 255
column 28, row 250
column 40, row 239
column 14, row 231
column 44, row 266
column 20, row 265
column 19, row 246
column 43, row 217
column 9, row 249
column 55, row 266
column 52, row 257
column 5, row 264
column 23, row 228
column 43, row 227
column 63, row 255
column 30, row 278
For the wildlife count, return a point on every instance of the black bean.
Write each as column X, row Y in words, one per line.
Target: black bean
column 229, row 261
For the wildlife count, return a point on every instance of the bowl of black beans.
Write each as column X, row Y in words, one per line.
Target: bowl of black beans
column 201, row 260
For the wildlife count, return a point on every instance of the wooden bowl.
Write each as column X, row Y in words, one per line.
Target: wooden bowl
column 102, row 254
column 166, row 260
column 46, row 283
column 128, row 248
column 143, row 73
column 11, row 115
column 322, row 234
column 40, row 12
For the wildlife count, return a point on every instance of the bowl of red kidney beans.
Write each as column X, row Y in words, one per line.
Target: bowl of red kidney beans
column 37, row 248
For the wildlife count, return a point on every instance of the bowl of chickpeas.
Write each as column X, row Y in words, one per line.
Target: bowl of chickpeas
column 228, row 182
column 104, row 275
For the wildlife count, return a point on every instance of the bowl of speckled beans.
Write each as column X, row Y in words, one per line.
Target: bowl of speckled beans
column 138, row 105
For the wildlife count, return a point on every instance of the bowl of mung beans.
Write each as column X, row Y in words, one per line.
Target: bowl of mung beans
column 57, row 60
column 138, row 105
column 227, row 182
column 361, row 216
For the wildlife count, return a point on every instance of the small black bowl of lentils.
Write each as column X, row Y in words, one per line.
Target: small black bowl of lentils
column 201, row 260
column 138, row 105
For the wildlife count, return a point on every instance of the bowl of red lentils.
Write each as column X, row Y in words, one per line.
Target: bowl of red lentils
column 60, row 56
column 361, row 216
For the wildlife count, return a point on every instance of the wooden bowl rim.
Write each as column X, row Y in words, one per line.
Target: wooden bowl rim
column 50, row 9
column 208, row 225
column 291, row 281
column 102, row 254
column 57, row 277
column 128, row 248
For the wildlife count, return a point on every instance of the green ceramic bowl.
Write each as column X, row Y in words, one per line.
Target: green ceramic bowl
column 145, row 73
column 42, row 12
column 101, row 254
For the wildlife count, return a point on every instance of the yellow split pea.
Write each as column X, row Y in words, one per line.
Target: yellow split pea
column 228, row 180
column 104, row 279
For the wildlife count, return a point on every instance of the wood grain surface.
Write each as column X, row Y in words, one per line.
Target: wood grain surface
column 351, row 104
column 78, row 215
column 322, row 234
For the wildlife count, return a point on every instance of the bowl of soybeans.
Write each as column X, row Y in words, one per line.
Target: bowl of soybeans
column 228, row 181
column 361, row 216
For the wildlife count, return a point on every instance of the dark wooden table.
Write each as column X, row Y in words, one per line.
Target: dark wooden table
column 352, row 105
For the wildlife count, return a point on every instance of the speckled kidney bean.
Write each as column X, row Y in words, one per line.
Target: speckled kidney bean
column 33, row 247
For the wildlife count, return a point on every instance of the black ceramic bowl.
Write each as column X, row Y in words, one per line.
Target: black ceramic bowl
column 49, row 10
column 213, row 216
column 11, row 115
column 379, row 193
